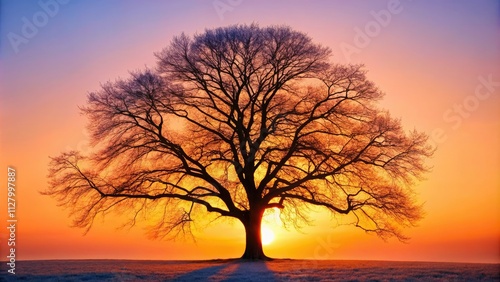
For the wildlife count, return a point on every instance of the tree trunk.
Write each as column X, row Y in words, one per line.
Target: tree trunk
column 253, row 247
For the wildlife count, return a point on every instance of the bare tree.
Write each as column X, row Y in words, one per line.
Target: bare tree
column 238, row 120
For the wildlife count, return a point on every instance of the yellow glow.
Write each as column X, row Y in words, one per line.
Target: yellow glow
column 267, row 235
column 462, row 221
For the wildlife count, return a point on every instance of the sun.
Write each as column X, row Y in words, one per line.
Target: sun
column 267, row 235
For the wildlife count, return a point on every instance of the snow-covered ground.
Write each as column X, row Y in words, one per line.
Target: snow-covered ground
column 227, row 270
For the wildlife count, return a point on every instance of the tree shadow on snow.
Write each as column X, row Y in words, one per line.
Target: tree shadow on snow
column 231, row 271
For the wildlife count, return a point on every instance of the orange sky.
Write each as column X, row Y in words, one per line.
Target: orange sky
column 430, row 59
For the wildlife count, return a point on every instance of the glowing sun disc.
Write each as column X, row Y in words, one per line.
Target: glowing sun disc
column 267, row 235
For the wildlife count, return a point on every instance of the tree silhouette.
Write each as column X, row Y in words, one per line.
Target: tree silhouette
column 235, row 121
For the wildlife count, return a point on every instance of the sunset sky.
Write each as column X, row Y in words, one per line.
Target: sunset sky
column 437, row 61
